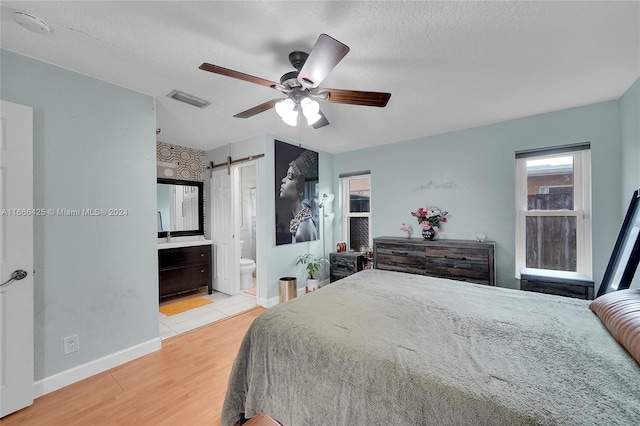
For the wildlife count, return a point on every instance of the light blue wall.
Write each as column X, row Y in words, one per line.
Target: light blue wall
column 94, row 147
column 279, row 260
column 630, row 137
column 470, row 173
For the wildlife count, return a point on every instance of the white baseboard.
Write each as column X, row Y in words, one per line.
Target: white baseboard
column 81, row 372
column 266, row 303
column 270, row 303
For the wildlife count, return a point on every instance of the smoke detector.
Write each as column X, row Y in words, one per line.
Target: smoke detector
column 32, row 23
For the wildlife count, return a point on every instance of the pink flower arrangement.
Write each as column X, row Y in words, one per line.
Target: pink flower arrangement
column 405, row 228
column 430, row 218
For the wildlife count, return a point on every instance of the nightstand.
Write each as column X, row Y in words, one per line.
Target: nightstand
column 561, row 283
column 344, row 264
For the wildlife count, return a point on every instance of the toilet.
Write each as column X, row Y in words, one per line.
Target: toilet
column 247, row 266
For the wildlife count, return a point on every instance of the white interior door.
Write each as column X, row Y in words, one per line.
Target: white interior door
column 16, row 254
column 226, row 256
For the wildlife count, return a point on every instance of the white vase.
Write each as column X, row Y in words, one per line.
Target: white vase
column 313, row 284
column 405, row 234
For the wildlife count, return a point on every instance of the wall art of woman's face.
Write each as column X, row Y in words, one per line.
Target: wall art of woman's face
column 289, row 187
column 296, row 187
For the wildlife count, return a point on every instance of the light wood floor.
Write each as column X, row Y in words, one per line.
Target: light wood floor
column 184, row 383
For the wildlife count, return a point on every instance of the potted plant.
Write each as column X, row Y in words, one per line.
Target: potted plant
column 312, row 264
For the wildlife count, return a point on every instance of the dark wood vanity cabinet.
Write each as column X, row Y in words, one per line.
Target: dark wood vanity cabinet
column 184, row 269
column 462, row 260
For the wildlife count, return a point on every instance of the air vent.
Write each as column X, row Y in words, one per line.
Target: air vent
column 188, row 99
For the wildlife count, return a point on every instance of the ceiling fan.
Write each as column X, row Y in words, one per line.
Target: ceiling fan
column 301, row 85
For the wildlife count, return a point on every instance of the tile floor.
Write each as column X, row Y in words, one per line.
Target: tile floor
column 222, row 307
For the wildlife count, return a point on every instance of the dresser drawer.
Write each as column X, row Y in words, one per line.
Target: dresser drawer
column 561, row 283
column 335, row 276
column 400, row 257
column 178, row 257
column 344, row 264
column 458, row 263
column 568, row 290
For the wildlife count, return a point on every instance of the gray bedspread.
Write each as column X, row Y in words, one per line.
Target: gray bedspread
column 385, row 348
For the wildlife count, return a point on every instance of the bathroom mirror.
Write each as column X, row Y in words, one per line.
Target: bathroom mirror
column 180, row 207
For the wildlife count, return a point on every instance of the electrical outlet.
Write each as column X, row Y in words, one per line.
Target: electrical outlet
column 71, row 344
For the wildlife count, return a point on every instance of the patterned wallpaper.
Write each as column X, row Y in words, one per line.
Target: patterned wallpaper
column 189, row 163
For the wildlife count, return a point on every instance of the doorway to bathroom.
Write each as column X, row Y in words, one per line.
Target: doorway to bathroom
column 235, row 231
column 236, row 228
column 246, row 217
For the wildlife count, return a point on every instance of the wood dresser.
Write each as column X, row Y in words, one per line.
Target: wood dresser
column 462, row 260
column 184, row 269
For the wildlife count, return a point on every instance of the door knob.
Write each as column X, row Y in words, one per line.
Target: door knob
column 17, row 275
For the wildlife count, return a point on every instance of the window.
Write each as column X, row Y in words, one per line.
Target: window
column 356, row 190
column 553, row 205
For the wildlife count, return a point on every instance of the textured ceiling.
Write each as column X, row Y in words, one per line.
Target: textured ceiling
column 448, row 65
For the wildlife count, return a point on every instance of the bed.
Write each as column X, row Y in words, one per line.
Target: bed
column 389, row 348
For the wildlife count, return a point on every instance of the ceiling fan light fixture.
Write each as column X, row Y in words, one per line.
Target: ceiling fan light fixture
column 311, row 110
column 312, row 118
column 291, row 119
column 286, row 109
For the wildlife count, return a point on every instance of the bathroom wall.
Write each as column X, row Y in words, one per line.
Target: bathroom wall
column 189, row 165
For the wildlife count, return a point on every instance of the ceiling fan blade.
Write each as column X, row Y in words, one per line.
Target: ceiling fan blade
column 258, row 109
column 237, row 74
column 356, row 97
column 321, row 122
column 324, row 56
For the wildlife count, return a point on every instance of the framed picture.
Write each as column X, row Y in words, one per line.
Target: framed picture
column 626, row 253
column 296, row 183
